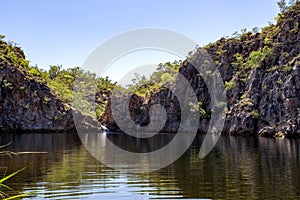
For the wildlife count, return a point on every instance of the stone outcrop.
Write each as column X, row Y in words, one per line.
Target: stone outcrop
column 263, row 87
column 29, row 105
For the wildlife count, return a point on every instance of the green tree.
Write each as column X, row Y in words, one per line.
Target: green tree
column 283, row 6
column 54, row 70
column 166, row 77
column 255, row 30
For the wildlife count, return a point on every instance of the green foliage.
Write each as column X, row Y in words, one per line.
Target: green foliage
column 34, row 71
column 164, row 74
column 99, row 111
column 267, row 41
column 239, row 60
column 286, row 68
column 203, row 112
column 61, row 89
column 54, row 70
column 279, row 81
column 243, row 97
column 12, row 56
column 62, row 83
column 46, row 100
column 279, row 17
column 245, row 102
column 171, row 68
column 11, row 53
column 269, row 33
column 256, row 57
column 229, row 84
column 255, row 114
column 283, row 6
column 198, row 108
column 22, row 87
column 7, row 84
column 243, row 33
column 255, row 30
column 166, row 77
column 105, row 84
column 236, row 34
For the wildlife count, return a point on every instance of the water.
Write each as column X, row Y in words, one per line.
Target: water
column 237, row 168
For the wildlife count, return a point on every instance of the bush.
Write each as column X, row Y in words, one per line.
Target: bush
column 256, row 57
column 166, row 77
column 239, row 60
column 34, row 72
column 255, row 114
column 198, row 108
column 229, row 84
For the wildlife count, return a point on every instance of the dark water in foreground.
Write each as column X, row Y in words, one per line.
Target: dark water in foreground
column 237, row 168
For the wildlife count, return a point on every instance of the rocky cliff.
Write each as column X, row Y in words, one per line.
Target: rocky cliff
column 27, row 104
column 261, row 72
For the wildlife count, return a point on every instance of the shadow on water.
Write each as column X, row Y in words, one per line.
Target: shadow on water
column 237, row 168
column 242, row 168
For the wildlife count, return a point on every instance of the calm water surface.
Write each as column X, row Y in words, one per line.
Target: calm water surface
column 237, row 168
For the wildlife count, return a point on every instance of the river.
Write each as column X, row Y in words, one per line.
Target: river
column 237, row 168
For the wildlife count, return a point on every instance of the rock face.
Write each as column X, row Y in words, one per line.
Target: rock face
column 28, row 105
column 267, row 103
column 261, row 72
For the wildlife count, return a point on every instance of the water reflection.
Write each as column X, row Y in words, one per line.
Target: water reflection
column 137, row 155
column 237, row 168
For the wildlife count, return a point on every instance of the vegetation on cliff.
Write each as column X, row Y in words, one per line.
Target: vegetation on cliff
column 32, row 99
column 260, row 70
column 60, row 81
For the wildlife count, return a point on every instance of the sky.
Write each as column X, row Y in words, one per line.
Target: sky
column 65, row 32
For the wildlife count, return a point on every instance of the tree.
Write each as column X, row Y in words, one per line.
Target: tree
column 54, row 71
column 244, row 31
column 283, row 6
column 255, row 30
column 166, row 77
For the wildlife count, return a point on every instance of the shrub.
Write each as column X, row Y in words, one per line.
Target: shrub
column 22, row 87
column 34, row 72
column 166, row 77
column 256, row 57
column 198, row 108
column 7, row 84
column 229, row 84
column 239, row 60
column 255, row 114
column 279, row 81
column 46, row 100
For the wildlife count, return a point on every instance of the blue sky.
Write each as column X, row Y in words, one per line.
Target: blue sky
column 66, row 32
